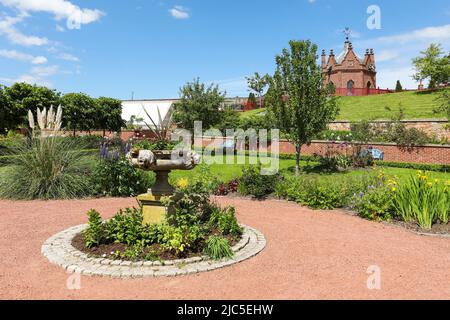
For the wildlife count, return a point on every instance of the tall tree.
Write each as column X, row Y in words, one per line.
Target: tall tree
column 109, row 114
column 24, row 97
column 7, row 118
column 258, row 83
column 79, row 112
column 298, row 103
column 398, row 86
column 444, row 103
column 433, row 65
column 199, row 102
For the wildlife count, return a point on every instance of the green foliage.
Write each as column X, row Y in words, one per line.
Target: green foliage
column 423, row 200
column 80, row 112
column 94, row 234
column 297, row 102
column 218, row 248
column 230, row 120
column 398, row 86
column 321, row 192
column 118, row 178
column 108, row 115
column 126, row 227
column 434, row 65
column 415, row 166
column 225, row 220
column 254, row 183
column 46, row 168
column 375, row 203
column 155, row 145
column 444, row 103
column 258, row 83
column 198, row 103
column 15, row 101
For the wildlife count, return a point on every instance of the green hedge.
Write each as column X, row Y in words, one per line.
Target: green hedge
column 415, row 166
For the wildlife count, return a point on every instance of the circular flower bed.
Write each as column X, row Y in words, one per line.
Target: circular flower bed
column 59, row 250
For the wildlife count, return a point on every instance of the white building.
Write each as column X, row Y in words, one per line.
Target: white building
column 136, row 108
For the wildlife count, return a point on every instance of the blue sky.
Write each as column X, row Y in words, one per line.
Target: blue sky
column 152, row 47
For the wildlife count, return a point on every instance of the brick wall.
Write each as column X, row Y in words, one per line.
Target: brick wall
column 432, row 154
column 431, row 127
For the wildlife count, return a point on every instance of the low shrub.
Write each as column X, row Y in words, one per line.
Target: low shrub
column 227, row 188
column 254, row 183
column 218, row 248
column 415, row 166
column 94, row 234
column 321, row 192
column 375, row 203
column 225, row 220
column 118, row 178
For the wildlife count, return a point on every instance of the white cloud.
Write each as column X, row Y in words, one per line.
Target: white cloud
column 387, row 55
column 179, row 12
column 60, row 28
column 61, row 9
column 20, row 56
column 7, row 28
column 68, row 57
column 43, row 72
column 437, row 34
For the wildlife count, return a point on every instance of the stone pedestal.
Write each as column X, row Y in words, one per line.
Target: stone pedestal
column 153, row 209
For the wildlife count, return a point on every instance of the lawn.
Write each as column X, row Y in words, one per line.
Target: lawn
column 416, row 106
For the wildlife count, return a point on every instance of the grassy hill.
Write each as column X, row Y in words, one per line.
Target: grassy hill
column 416, row 106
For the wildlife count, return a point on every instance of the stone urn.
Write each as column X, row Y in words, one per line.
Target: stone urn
column 162, row 162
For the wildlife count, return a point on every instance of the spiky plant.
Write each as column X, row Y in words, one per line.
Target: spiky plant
column 162, row 129
column 46, row 166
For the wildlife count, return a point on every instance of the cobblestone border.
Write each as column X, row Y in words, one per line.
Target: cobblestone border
column 59, row 250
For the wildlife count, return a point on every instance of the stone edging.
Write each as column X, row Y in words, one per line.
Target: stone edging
column 59, row 250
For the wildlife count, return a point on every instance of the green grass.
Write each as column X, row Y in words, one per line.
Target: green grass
column 416, row 106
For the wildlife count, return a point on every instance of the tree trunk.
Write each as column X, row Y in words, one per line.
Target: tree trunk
column 74, row 132
column 298, row 151
column 104, row 132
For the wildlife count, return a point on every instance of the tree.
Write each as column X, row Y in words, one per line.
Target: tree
column 198, row 103
column 23, row 97
column 109, row 115
column 297, row 101
column 398, row 87
column 432, row 65
column 79, row 112
column 251, row 102
column 7, row 118
column 258, row 83
column 444, row 103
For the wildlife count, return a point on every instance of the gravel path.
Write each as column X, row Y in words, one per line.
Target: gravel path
column 309, row 255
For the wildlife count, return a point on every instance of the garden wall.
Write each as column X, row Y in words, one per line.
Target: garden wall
column 432, row 154
column 433, row 127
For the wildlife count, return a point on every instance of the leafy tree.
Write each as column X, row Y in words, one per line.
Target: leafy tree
column 23, row 97
column 79, row 112
column 398, row 87
column 258, row 83
column 132, row 123
column 199, row 103
column 109, row 115
column 433, row 65
column 251, row 100
column 230, row 120
column 298, row 103
column 444, row 103
column 7, row 118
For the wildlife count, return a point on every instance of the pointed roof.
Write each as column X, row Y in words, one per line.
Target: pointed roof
column 347, row 47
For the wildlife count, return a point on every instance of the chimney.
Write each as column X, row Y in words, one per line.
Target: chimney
column 324, row 64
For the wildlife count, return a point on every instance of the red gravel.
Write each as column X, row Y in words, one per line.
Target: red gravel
column 309, row 255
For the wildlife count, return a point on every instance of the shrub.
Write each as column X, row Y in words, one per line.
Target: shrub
column 422, row 200
column 415, row 166
column 375, row 203
column 118, row 178
column 47, row 168
column 254, row 183
column 218, row 248
column 126, row 227
column 225, row 220
column 94, row 234
column 227, row 188
column 321, row 192
column 155, row 145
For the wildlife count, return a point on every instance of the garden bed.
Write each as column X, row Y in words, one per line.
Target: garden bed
column 154, row 252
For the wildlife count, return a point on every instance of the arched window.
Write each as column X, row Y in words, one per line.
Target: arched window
column 369, row 86
column 350, row 86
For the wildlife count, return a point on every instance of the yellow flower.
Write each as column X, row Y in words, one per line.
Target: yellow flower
column 394, row 189
column 430, row 184
column 183, row 183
